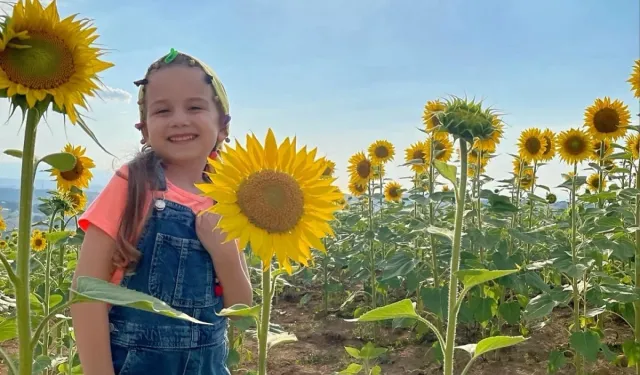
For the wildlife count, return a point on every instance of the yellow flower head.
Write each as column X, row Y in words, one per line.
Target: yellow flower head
column 43, row 56
column 3, row 244
column 381, row 151
column 38, row 242
column 574, row 145
column 550, row 146
column 77, row 202
column 393, row 192
column 3, row 225
column 606, row 119
column 527, row 180
column 594, row 182
column 517, row 164
column 490, row 144
column 356, row 189
column 596, row 149
column 273, row 197
column 532, row 145
column 446, row 188
column 329, row 169
column 80, row 175
column 442, row 147
column 429, row 115
column 633, row 144
column 417, row 151
column 634, row 79
column 360, row 168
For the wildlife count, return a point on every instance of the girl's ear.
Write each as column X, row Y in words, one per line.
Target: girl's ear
column 223, row 134
column 145, row 135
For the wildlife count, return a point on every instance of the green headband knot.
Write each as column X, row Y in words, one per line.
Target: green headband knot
column 171, row 56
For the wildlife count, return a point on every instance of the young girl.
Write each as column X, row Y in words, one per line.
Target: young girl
column 144, row 233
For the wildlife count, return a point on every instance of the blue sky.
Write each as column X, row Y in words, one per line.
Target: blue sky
column 341, row 74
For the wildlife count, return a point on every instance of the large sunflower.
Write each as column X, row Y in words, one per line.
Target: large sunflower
column 356, row 189
column 393, row 191
column 381, row 151
column 274, row 198
column 596, row 147
column 430, row 114
column 593, row 183
column 634, row 79
column 417, row 151
column 360, row 168
column 42, row 56
column 633, row 144
column 442, row 147
column 606, row 119
column 550, row 147
column 532, row 145
column 574, row 145
column 80, row 175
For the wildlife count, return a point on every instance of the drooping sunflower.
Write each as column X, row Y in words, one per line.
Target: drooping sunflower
column 381, row 151
column 595, row 149
column 519, row 163
column 43, row 56
column 490, row 144
column 633, row 145
column 360, row 168
column 393, row 191
column 531, row 145
column 273, row 197
column 468, row 120
column 606, row 119
column 429, row 115
column 442, row 147
column 550, row 147
column 3, row 244
column 356, row 189
column 574, row 145
column 527, row 180
column 473, row 156
column 80, row 175
column 38, row 242
column 594, row 181
column 634, row 79
column 329, row 169
column 77, row 201
column 417, row 151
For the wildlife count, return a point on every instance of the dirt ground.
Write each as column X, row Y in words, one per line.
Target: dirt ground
column 321, row 342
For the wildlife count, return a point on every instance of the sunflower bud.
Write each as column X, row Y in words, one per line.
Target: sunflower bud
column 551, row 198
column 467, row 120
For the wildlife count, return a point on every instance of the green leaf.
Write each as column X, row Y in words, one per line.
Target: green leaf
column 442, row 232
column 631, row 350
column 447, row 171
column 274, row 339
column 233, row 359
column 556, row 361
column 496, row 342
column 14, row 153
column 92, row 289
column 354, row 352
column 62, row 161
column 370, row 351
column 401, row 309
column 8, row 329
column 586, row 343
column 539, row 306
column 473, row 277
column 435, row 300
column 352, row 369
column 54, row 237
column 376, row 370
column 40, row 363
column 54, row 300
column 510, row 312
column 242, row 310
column 620, row 293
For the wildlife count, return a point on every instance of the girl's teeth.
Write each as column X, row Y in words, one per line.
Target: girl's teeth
column 182, row 138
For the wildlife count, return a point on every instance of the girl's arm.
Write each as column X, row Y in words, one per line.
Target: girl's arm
column 90, row 319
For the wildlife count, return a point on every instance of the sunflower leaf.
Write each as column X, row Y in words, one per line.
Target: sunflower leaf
column 447, row 171
column 62, row 161
column 91, row 134
column 14, row 153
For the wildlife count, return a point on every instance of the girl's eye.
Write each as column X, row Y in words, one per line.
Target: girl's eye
column 195, row 108
column 162, row 111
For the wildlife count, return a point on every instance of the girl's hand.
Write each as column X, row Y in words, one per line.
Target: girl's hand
column 211, row 238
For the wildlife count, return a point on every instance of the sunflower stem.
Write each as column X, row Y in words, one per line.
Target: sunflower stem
column 264, row 319
column 574, row 256
column 636, row 304
column 432, row 239
column 24, row 230
column 372, row 256
column 479, row 203
column 47, row 286
column 455, row 263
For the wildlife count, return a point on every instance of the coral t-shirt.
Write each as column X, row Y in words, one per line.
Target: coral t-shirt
column 105, row 212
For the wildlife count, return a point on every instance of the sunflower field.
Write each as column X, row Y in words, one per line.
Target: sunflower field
column 437, row 273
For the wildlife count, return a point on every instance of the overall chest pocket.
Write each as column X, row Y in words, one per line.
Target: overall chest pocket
column 181, row 272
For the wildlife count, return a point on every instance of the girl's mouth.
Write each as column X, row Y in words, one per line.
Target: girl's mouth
column 182, row 138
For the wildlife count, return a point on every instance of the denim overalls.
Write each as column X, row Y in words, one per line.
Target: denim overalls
column 177, row 269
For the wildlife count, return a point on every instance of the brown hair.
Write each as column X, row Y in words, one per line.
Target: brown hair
column 142, row 176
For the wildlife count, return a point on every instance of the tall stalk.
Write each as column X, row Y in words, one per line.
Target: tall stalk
column 372, row 254
column 479, row 202
column 264, row 320
column 47, row 285
column 432, row 240
column 22, row 284
column 574, row 256
column 636, row 304
column 455, row 262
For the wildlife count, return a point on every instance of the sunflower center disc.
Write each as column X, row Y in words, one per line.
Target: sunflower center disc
column 438, row 150
column 364, row 168
column 393, row 192
column 75, row 173
column 419, row 155
column 381, row 152
column 327, row 172
column 45, row 62
column 606, row 120
column 272, row 201
column 575, row 146
column 533, row 145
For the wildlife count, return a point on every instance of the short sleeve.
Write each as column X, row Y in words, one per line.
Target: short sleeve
column 105, row 212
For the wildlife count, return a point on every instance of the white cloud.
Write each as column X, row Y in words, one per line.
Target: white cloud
column 115, row 94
